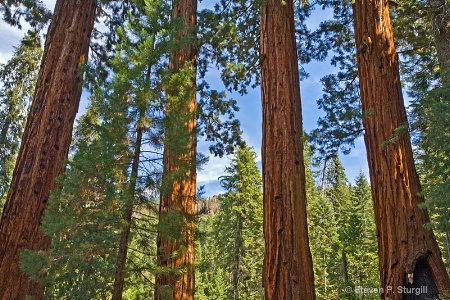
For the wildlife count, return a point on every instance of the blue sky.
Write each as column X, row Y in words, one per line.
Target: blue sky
column 249, row 114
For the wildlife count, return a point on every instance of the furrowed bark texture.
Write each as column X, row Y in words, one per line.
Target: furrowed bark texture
column 177, row 206
column 408, row 253
column 45, row 143
column 287, row 271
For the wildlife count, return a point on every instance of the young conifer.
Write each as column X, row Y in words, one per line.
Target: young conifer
column 239, row 226
column 18, row 77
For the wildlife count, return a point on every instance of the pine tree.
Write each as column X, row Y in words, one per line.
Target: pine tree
column 393, row 176
column 45, row 142
column 288, row 271
column 83, row 216
column 239, row 226
column 342, row 122
column 33, row 12
column 329, row 212
column 18, row 77
column 361, row 241
column 230, row 239
column 324, row 241
column 211, row 278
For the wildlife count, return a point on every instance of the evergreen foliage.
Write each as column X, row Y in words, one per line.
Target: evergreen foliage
column 33, row 12
column 82, row 217
column 18, row 77
column 359, row 236
column 342, row 232
column 232, row 244
column 435, row 164
column 342, row 122
column 211, row 279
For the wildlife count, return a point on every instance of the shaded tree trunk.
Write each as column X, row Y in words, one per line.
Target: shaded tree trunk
column 175, row 239
column 45, row 142
column 440, row 14
column 408, row 253
column 324, row 176
column 119, row 277
column 345, row 265
column 287, row 271
column 238, row 243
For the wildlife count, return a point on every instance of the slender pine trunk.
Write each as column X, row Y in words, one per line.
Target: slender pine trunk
column 119, row 277
column 345, row 265
column 237, row 257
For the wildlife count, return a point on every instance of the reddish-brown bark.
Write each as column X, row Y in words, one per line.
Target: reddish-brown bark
column 407, row 251
column 45, row 142
column 287, row 272
column 178, row 196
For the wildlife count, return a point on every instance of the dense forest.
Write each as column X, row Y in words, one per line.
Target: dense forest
column 106, row 205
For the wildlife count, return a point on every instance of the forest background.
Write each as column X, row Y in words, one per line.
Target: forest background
column 339, row 207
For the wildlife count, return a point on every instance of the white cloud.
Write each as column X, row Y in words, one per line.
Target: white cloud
column 212, row 170
column 10, row 37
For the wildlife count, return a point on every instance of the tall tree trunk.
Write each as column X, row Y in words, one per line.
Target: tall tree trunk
column 324, row 176
column 178, row 195
column 447, row 245
column 119, row 277
column 45, row 142
column 287, row 271
column 238, row 243
column 408, row 253
column 345, row 265
column 440, row 14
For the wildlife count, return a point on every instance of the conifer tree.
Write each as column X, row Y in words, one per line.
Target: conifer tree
column 45, row 142
column 34, row 13
column 359, row 234
column 231, row 245
column 324, row 241
column 211, row 278
column 239, row 226
column 83, row 216
column 288, row 271
column 395, row 183
column 338, row 193
column 148, row 59
column 178, row 192
column 18, row 77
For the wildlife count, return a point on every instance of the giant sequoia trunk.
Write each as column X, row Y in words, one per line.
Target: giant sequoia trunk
column 408, row 253
column 45, row 142
column 287, row 272
column 175, row 239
